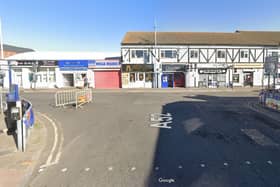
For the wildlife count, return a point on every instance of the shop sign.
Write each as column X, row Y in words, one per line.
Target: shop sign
column 104, row 64
column 137, row 67
column 40, row 63
column 173, row 68
column 73, row 65
column 212, row 71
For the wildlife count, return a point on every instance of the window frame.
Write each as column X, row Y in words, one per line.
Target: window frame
column 245, row 54
column 134, row 53
column 173, row 53
column 221, row 54
column 193, row 54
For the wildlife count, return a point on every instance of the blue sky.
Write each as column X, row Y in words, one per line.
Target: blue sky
column 99, row 25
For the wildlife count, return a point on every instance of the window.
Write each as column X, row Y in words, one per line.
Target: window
column 274, row 53
column 244, row 54
column 194, row 54
column 221, row 54
column 235, row 78
column 139, row 53
column 141, row 76
column 132, row 77
column 148, row 77
column 168, row 54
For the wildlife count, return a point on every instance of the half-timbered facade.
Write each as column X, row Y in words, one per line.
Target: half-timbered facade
column 187, row 59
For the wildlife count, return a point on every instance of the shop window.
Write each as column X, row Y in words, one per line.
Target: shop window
column 194, row 54
column 132, row 77
column 235, row 70
column 141, row 76
column 168, row 54
column 51, row 77
column 244, row 54
column 235, row 78
column 148, row 77
column 221, row 54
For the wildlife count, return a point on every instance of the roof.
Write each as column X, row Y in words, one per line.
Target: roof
column 243, row 38
column 16, row 49
column 48, row 55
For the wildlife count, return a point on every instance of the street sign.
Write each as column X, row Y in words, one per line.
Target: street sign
column 271, row 65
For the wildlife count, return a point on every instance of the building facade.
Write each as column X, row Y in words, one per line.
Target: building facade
column 63, row 69
column 187, row 59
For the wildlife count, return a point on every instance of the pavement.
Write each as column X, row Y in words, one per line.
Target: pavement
column 149, row 90
column 162, row 139
column 16, row 167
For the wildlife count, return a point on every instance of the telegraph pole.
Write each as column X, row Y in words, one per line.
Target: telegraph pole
column 155, row 44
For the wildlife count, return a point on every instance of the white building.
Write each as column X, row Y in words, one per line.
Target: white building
column 197, row 59
column 62, row 69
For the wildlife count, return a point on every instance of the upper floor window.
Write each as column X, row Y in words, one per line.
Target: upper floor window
column 221, row 54
column 244, row 54
column 274, row 53
column 168, row 54
column 138, row 53
column 194, row 54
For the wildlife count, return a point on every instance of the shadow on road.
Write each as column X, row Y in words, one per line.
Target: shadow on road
column 205, row 146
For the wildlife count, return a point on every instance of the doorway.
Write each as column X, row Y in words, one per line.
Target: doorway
column 248, row 79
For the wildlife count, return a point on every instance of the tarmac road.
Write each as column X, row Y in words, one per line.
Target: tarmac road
column 207, row 139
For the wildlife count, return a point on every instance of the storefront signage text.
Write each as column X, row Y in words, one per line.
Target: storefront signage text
column 73, row 65
column 173, row 68
column 212, row 71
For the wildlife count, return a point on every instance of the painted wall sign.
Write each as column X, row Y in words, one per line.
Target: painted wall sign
column 73, row 65
column 212, row 71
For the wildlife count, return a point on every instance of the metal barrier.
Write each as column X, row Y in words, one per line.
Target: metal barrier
column 73, row 97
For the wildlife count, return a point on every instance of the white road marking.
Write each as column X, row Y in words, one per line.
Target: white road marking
column 248, row 162
column 225, row 164
column 87, row 169
column 40, row 170
column 64, row 170
column 162, row 120
column 58, row 155
column 202, row 165
column 258, row 137
column 269, row 162
column 110, row 168
column 180, row 167
column 133, row 169
column 156, row 168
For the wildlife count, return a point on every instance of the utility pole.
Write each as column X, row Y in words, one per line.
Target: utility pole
column 155, row 44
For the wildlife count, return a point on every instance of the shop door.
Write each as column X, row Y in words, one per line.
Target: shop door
column 107, row 79
column 167, row 80
column 248, row 79
column 164, row 81
column 68, row 79
column 179, row 79
column 140, row 80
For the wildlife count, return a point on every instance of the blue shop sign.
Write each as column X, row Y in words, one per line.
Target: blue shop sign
column 73, row 65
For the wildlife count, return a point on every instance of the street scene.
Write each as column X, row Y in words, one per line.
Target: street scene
column 139, row 94
column 160, row 139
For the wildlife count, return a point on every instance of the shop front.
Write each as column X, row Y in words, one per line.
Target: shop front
column 248, row 74
column 212, row 77
column 71, row 73
column 173, row 75
column 106, row 73
column 138, row 75
column 35, row 74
